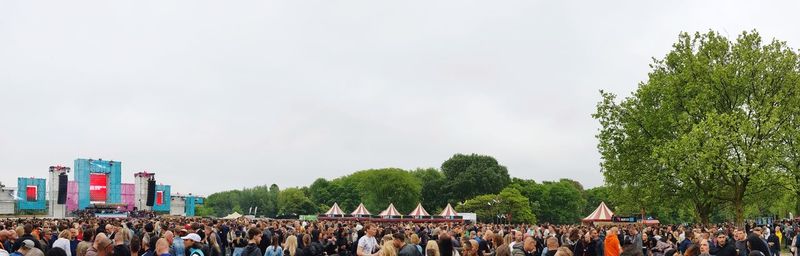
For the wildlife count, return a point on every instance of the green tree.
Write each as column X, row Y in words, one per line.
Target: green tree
column 509, row 203
column 706, row 126
column 468, row 176
column 432, row 182
column 380, row 187
column 294, row 201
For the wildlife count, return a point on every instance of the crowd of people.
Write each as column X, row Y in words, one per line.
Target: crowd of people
column 89, row 236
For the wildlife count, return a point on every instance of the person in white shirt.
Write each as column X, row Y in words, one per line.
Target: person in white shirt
column 63, row 241
column 368, row 245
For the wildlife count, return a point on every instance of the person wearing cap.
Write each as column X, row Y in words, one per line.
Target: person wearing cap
column 193, row 244
column 25, row 246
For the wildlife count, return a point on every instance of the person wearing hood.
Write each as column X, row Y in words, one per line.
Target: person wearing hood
column 253, row 240
column 755, row 243
column 773, row 242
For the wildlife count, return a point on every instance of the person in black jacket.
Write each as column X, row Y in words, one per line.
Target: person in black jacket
column 254, row 239
column 774, row 243
column 724, row 247
column 755, row 243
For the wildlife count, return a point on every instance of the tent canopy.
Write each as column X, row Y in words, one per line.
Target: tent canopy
column 335, row 210
column 419, row 211
column 361, row 210
column 390, row 211
column 602, row 213
column 448, row 211
column 234, row 215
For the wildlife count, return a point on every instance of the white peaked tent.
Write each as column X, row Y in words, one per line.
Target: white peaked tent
column 232, row 216
column 391, row 211
column 448, row 211
column 335, row 210
column 601, row 214
column 419, row 211
column 361, row 210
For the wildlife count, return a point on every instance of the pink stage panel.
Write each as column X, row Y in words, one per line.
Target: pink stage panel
column 72, row 196
column 128, row 193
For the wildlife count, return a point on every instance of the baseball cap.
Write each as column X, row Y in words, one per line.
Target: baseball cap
column 28, row 244
column 193, row 236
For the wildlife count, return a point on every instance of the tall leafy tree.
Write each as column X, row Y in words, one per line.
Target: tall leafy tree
column 432, row 182
column 472, row 175
column 706, row 127
column 294, row 201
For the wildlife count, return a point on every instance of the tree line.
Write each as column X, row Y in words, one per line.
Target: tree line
column 470, row 182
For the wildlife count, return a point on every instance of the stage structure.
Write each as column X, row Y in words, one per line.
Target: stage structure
column 99, row 182
column 57, row 195
column 31, row 194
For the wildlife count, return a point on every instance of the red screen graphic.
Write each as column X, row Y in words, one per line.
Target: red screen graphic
column 97, row 187
column 31, row 193
column 159, row 197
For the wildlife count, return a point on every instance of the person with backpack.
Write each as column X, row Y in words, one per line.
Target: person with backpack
column 275, row 248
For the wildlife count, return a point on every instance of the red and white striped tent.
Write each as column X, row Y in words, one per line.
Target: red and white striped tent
column 419, row 211
column 601, row 214
column 391, row 211
column 361, row 211
column 448, row 212
column 335, row 210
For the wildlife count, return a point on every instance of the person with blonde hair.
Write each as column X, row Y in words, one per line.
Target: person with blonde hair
column 290, row 247
column 63, row 241
column 432, row 248
column 387, row 249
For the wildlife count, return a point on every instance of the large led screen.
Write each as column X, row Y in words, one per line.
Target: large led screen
column 31, row 193
column 98, row 188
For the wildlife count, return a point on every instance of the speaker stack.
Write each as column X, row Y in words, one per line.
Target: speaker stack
column 151, row 192
column 62, row 188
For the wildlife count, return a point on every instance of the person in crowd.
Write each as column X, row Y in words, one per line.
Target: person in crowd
column 387, row 249
column 404, row 249
column 692, row 250
column 586, row 246
column 27, row 235
column 274, row 249
column 103, row 245
column 63, row 242
column 290, row 248
column 253, row 240
column 193, row 244
column 723, row 247
column 432, row 248
column 25, row 246
column 86, row 242
column 178, row 245
column 756, row 243
column 415, row 241
column 122, row 243
column 162, row 247
column 367, row 244
column 213, row 244
column 773, row 241
column 705, row 248
column 446, row 247
column 611, row 244
column 563, row 251
column 56, row 251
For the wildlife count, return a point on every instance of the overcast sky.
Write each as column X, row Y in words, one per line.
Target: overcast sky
column 217, row 95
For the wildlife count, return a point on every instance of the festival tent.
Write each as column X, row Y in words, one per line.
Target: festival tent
column 419, row 211
column 335, row 210
column 601, row 214
column 233, row 216
column 361, row 211
column 391, row 211
column 448, row 212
